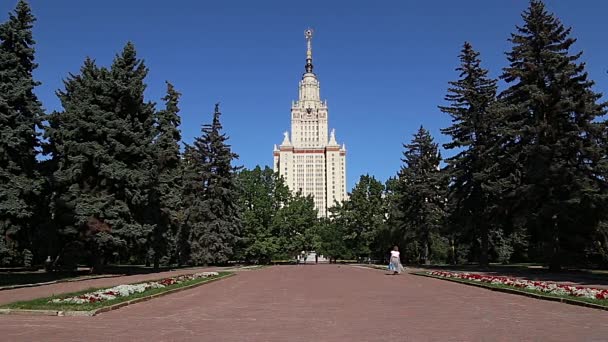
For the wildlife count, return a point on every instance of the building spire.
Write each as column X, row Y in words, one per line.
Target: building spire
column 308, row 35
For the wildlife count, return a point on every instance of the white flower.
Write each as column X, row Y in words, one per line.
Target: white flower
column 129, row 289
column 552, row 288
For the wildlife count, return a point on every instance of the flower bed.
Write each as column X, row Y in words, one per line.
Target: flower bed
column 530, row 285
column 130, row 289
column 92, row 301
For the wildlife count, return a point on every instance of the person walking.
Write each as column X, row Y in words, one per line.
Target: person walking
column 395, row 263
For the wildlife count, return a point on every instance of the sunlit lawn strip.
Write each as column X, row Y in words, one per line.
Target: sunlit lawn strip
column 48, row 304
column 597, row 303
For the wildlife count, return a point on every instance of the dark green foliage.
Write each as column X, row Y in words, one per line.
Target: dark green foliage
column 168, row 189
column 364, row 215
column 102, row 148
column 600, row 247
column 279, row 225
column 262, row 194
column 20, row 114
column 473, row 190
column 527, row 182
column 294, row 226
column 391, row 234
column 357, row 228
column 551, row 137
column 211, row 197
column 192, row 200
column 330, row 241
column 421, row 192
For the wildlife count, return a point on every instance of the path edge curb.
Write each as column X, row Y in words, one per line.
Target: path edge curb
column 519, row 292
column 110, row 307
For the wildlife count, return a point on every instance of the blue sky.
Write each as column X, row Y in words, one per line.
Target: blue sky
column 383, row 65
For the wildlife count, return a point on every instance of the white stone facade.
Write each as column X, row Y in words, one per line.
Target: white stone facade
column 312, row 161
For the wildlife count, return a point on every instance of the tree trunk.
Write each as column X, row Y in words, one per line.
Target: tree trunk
column 98, row 264
column 156, row 262
column 483, row 253
column 427, row 248
column 555, row 264
column 453, row 251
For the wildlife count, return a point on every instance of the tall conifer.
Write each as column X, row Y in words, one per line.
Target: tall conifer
column 167, row 190
column 421, row 193
column 102, row 147
column 472, row 194
column 20, row 114
column 214, row 219
column 551, row 136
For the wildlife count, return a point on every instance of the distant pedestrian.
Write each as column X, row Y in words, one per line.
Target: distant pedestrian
column 395, row 263
column 316, row 259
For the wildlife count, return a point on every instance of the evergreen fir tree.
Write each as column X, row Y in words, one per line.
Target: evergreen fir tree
column 167, row 191
column 215, row 224
column 551, row 136
column 421, row 193
column 192, row 200
column 472, row 194
column 102, row 147
column 79, row 150
column 134, row 151
column 20, row 115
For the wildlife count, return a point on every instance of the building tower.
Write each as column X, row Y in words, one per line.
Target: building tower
column 312, row 161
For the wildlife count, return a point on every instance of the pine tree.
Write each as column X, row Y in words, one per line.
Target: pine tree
column 551, row 136
column 421, row 193
column 20, row 115
column 102, row 148
column 473, row 193
column 215, row 224
column 167, row 191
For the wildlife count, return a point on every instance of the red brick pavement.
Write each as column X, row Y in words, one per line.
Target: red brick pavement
column 324, row 303
column 28, row 293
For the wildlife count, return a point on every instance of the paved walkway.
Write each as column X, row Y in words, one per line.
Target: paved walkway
column 324, row 303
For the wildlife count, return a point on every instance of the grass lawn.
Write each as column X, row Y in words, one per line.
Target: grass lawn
column 601, row 302
column 45, row 304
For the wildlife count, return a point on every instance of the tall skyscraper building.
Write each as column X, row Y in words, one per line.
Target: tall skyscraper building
column 312, row 161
